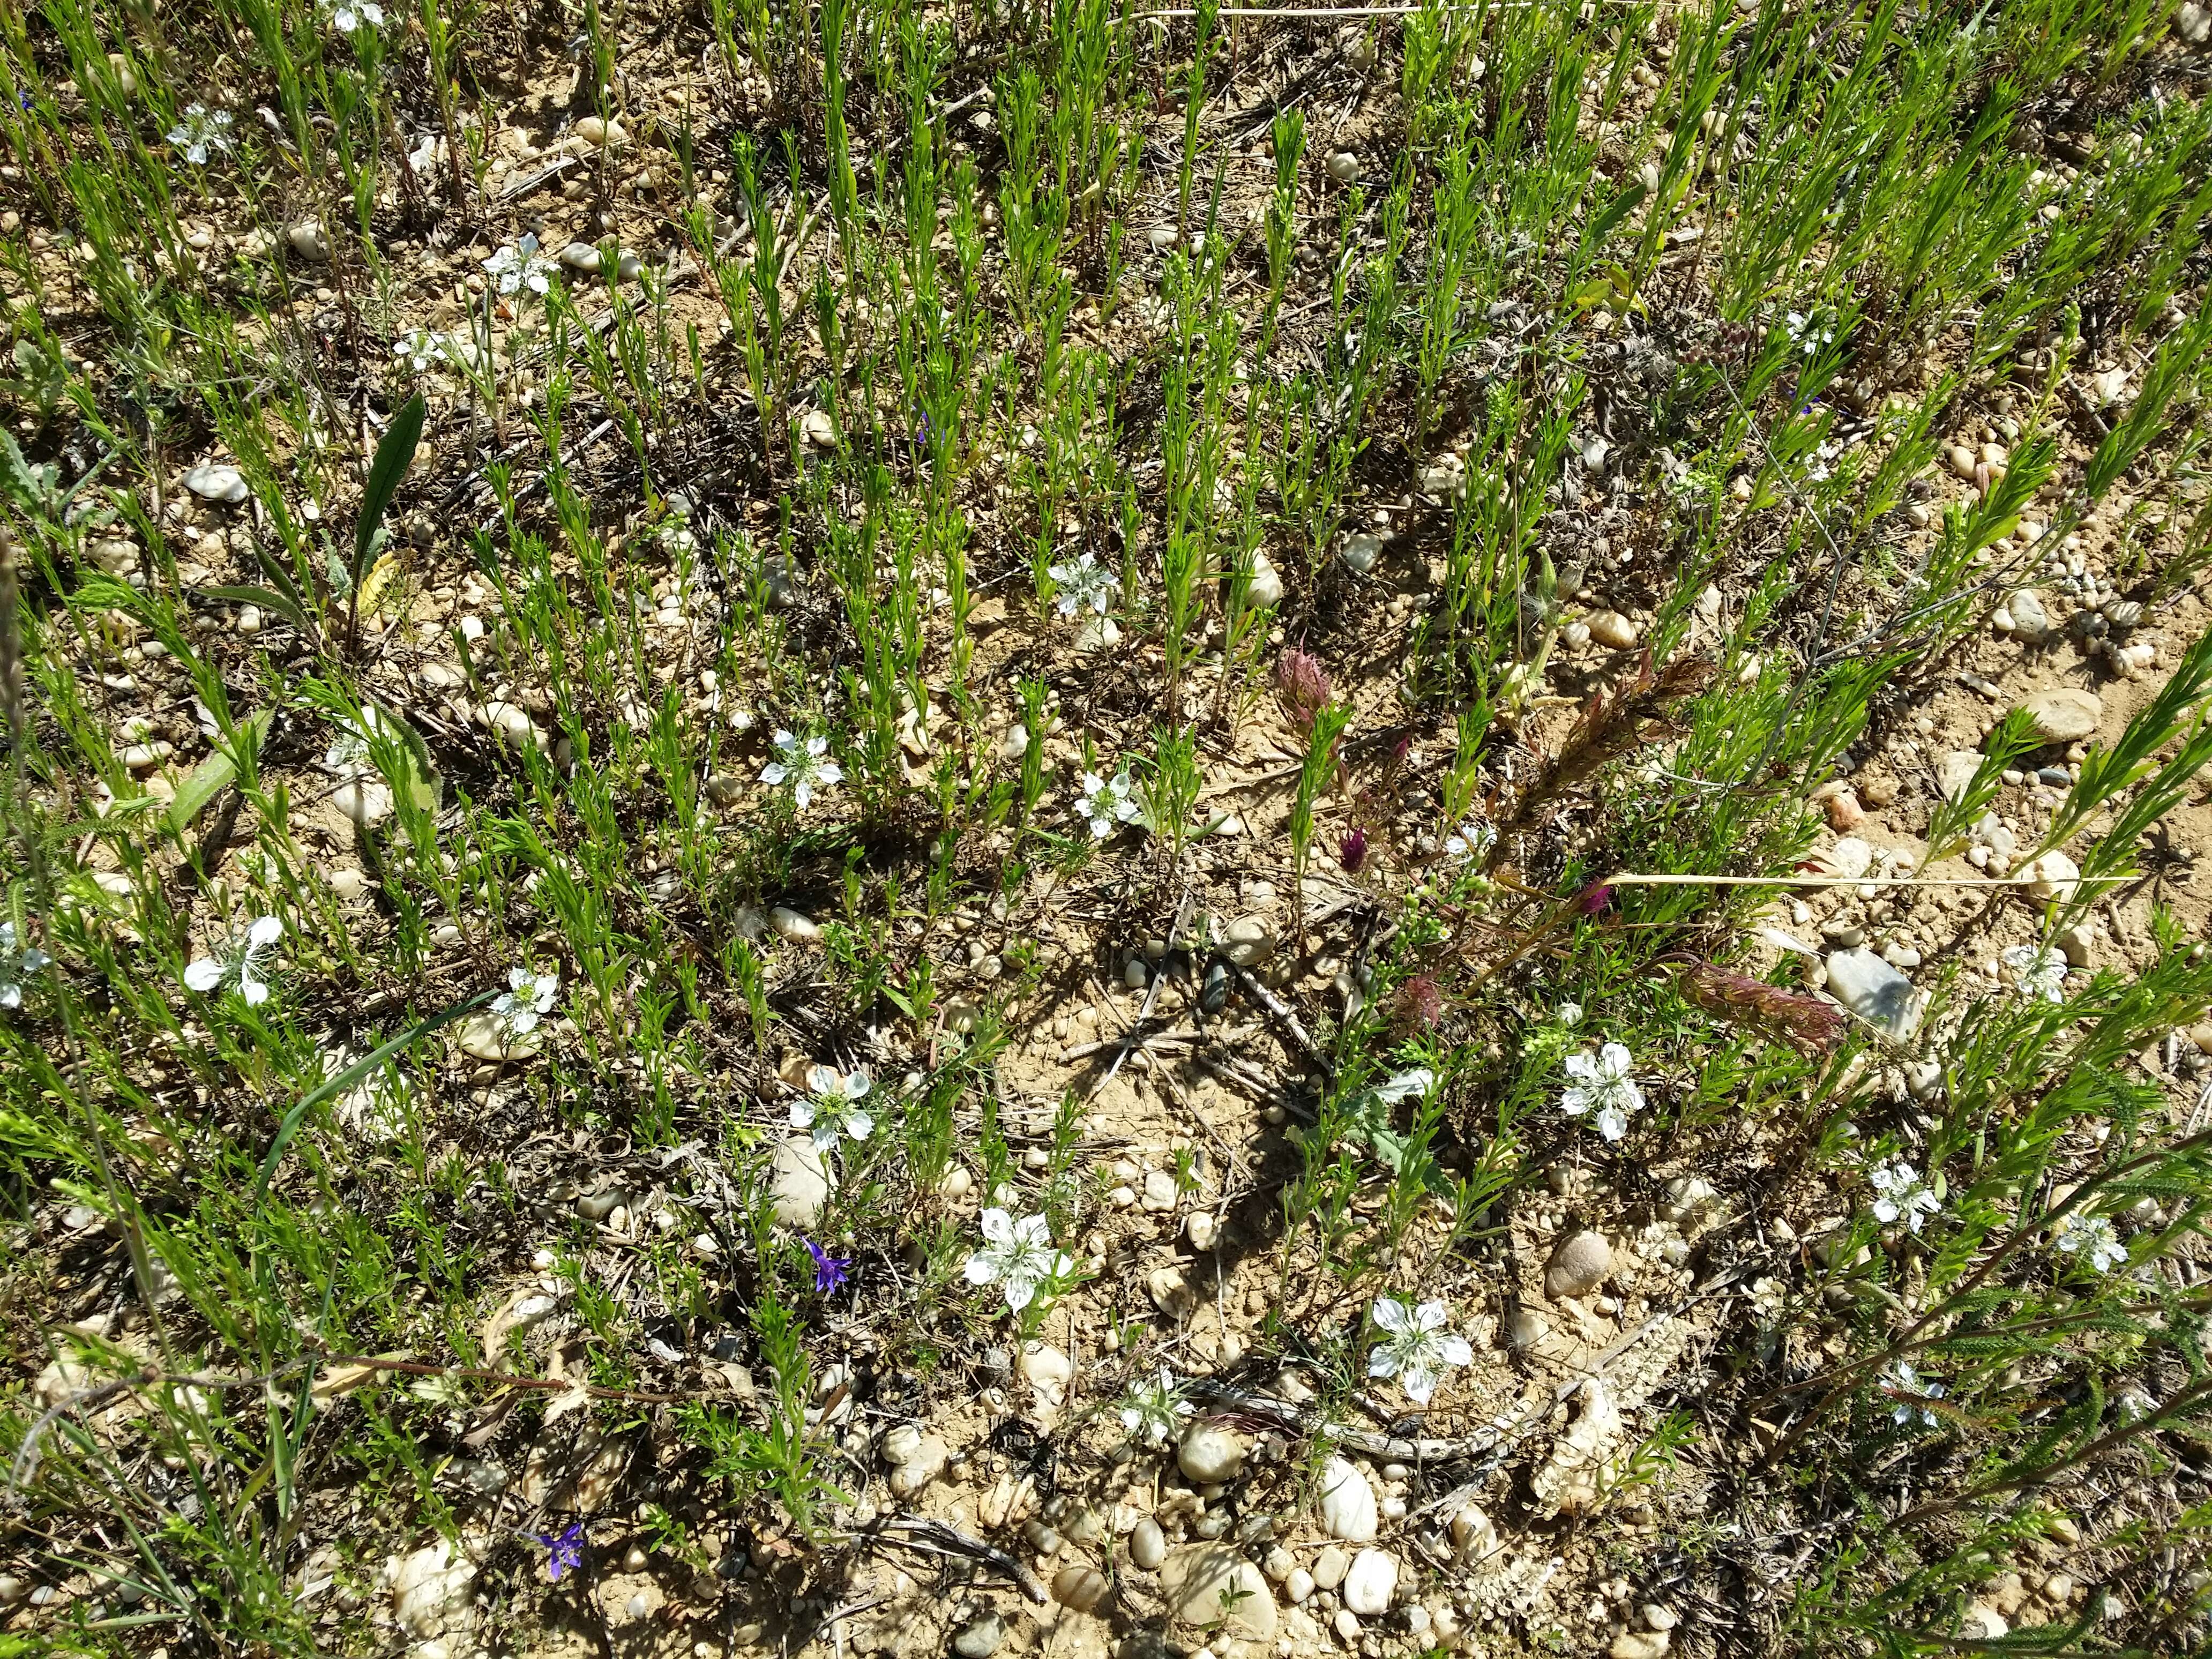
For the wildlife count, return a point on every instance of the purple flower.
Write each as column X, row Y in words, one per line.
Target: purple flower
column 567, row 1550
column 828, row 1270
column 1353, row 853
column 1594, row 898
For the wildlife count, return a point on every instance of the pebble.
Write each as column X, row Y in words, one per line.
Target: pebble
column 305, row 238
column 1348, row 1509
column 1348, row 1625
column 1474, row 1536
column 2030, row 622
column 819, row 429
column 1148, row 1545
column 2052, row 876
column 1081, row 1587
column 1212, row 1586
column 1361, row 550
column 211, row 483
column 1248, row 942
column 1844, row 810
column 1046, row 1367
column 1265, row 587
column 1200, row 1228
column 1343, row 166
column 1871, row 988
column 1136, row 976
column 791, row 925
column 1957, row 772
column 1298, row 1586
column 2064, row 713
column 1206, row 1452
column 924, row 1464
column 1581, row 1262
column 1160, row 1195
column 980, row 1638
column 1613, row 630
column 581, row 257
column 593, row 131
column 798, row 1185
column 1371, row 1582
column 364, row 802
column 1640, row 1645
column 1330, row 1566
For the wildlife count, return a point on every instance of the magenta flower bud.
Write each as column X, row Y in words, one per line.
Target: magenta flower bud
column 1353, row 851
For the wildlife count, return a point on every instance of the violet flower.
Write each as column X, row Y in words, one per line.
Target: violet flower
column 828, row 1270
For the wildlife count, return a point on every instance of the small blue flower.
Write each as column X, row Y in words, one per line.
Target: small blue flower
column 566, row 1550
column 828, row 1270
column 921, row 430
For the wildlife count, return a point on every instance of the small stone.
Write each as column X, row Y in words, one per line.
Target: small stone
column 1207, row 1454
column 1957, row 772
column 1473, row 1536
column 1210, row 1586
column 305, row 239
column 1279, row 1564
column 791, row 925
column 1640, row 1645
column 1658, row 1618
column 2063, row 713
column 1348, row 1509
column 365, row 804
column 798, row 1185
column 1868, row 987
column 1844, row 812
column 1373, row 1580
column 1200, row 1228
column 1346, row 1623
column 1361, row 550
column 211, row 483
column 1265, row 587
column 2031, row 622
column 928, row 1460
column 595, row 131
column 511, row 724
column 1081, row 1587
column 1160, row 1195
column 2076, row 944
column 1330, row 1566
column 1613, row 630
column 1581, row 1262
column 1248, row 942
column 1343, row 166
column 820, row 430
column 1170, row 1293
column 1136, row 976
column 2193, row 22
column 1046, row 1369
column 488, row 1037
column 1850, row 858
column 1983, row 1623
column 1148, row 1545
column 347, row 883
column 979, row 1638
column 2052, row 876
column 581, row 257
column 1298, row 1586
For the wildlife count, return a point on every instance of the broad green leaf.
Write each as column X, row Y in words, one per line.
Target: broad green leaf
column 211, row 775
column 393, row 456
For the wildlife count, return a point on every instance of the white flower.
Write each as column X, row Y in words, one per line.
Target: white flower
column 2041, row 971
column 1604, row 1086
column 418, row 348
column 1017, row 1255
column 201, row 132
column 1084, row 582
column 1419, row 1350
column 2094, row 1239
column 1807, row 332
column 238, row 963
column 1108, row 802
column 801, row 766
column 1901, row 1195
column 1902, row 1379
column 1150, row 1410
column 528, row 998
column 831, row 1113
column 1405, row 1086
column 347, row 15
column 17, row 963
column 1569, row 1014
column 1469, row 842
column 517, row 267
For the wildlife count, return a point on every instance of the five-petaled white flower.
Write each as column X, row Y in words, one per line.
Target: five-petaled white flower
column 1901, row 1195
column 201, row 132
column 1108, row 802
column 832, row 1112
column 1418, row 1350
column 2040, row 969
column 1151, row 1411
column 2094, row 1239
column 518, row 266
column 1081, row 582
column 17, row 963
column 528, row 999
column 1903, row 1380
column 1603, row 1086
column 800, row 763
column 1807, row 332
column 1017, row 1256
column 347, row 15
column 1569, row 1014
column 1470, row 842
column 419, row 348
column 238, row 964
